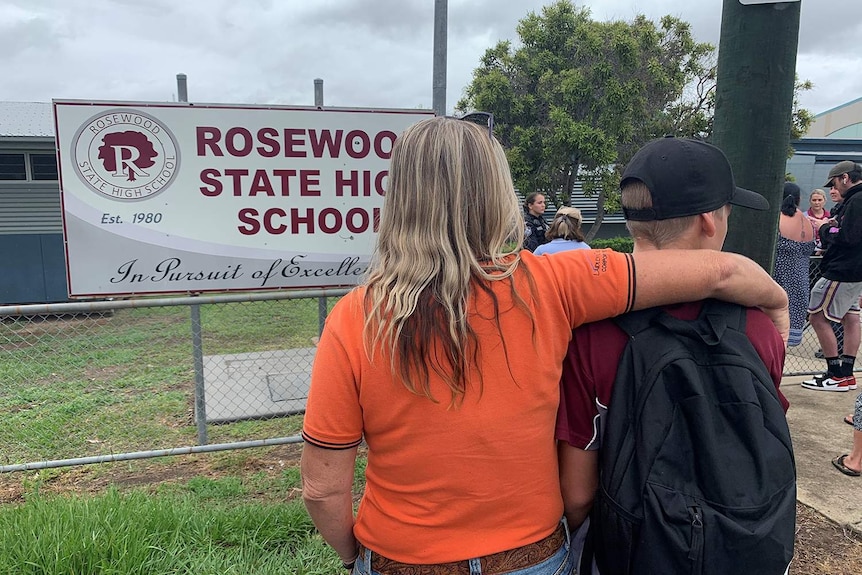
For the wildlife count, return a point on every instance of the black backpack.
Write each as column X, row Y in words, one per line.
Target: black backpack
column 696, row 468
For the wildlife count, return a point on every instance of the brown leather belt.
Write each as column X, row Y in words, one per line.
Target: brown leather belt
column 494, row 564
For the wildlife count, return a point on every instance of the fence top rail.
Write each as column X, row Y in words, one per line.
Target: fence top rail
column 105, row 305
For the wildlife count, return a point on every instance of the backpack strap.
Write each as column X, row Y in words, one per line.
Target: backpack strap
column 635, row 322
column 714, row 319
column 734, row 314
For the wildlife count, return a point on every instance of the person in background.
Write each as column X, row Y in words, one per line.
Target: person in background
column 851, row 463
column 817, row 211
column 837, row 201
column 535, row 224
column 446, row 363
column 837, row 328
column 564, row 233
column 835, row 296
column 796, row 234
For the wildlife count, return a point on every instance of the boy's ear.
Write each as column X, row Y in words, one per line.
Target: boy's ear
column 707, row 224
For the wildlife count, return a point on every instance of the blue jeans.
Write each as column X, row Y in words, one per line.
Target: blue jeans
column 560, row 563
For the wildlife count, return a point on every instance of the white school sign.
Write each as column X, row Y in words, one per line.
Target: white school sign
column 177, row 198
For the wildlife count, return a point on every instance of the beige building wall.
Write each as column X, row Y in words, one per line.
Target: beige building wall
column 845, row 121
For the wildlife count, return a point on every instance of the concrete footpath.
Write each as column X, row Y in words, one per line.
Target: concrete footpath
column 819, row 434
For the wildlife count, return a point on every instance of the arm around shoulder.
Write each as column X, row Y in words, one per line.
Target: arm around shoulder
column 665, row 277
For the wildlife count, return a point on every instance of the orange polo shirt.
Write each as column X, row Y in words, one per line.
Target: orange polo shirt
column 445, row 484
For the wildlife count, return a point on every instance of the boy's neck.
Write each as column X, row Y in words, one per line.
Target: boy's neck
column 644, row 246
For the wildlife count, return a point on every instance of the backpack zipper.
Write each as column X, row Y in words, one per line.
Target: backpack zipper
column 696, row 549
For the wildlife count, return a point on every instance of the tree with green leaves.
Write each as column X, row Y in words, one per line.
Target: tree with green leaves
column 801, row 119
column 580, row 96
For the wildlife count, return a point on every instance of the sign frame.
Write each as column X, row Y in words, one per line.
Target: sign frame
column 752, row 2
column 177, row 198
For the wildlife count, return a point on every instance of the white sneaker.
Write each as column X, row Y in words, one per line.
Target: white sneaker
column 834, row 383
column 816, row 379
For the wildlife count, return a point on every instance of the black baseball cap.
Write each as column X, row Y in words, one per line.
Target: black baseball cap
column 685, row 177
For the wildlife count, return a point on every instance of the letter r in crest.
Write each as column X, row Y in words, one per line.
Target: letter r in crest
column 124, row 162
column 127, row 154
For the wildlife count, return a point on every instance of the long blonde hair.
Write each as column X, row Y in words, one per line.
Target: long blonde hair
column 449, row 214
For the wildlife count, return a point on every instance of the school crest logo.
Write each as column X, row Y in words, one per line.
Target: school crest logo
column 125, row 155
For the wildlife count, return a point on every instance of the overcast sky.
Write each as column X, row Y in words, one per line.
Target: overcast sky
column 370, row 53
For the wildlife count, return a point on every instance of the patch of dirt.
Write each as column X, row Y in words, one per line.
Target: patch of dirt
column 144, row 473
column 822, row 547
column 104, row 374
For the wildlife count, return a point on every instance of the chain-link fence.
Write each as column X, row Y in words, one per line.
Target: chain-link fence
column 112, row 380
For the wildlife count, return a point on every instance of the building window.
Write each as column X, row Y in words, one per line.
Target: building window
column 28, row 166
column 43, row 166
column 12, row 167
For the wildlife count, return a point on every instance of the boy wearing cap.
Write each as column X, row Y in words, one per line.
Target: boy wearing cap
column 835, row 296
column 676, row 193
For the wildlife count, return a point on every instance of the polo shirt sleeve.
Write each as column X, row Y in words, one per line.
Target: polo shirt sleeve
column 587, row 381
column 333, row 415
column 578, row 415
column 593, row 284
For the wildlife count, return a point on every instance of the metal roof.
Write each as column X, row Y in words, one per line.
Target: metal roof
column 26, row 119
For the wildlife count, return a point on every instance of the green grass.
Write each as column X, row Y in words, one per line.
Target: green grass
column 205, row 529
column 243, row 524
column 124, row 381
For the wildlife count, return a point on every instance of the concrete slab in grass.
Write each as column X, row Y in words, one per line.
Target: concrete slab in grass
column 256, row 385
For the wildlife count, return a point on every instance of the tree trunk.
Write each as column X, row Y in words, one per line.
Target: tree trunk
column 753, row 109
column 567, row 187
column 600, row 216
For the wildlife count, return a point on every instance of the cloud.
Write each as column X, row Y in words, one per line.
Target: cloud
column 370, row 53
column 394, row 20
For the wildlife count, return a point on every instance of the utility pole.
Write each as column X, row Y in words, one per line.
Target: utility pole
column 318, row 92
column 753, row 109
column 441, row 24
column 182, row 88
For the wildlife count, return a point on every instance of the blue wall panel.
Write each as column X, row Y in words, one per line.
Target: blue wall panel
column 54, row 263
column 34, row 269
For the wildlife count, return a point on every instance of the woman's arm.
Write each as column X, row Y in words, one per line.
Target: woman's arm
column 327, row 482
column 664, row 277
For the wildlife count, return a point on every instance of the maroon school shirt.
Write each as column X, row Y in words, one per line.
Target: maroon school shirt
column 591, row 364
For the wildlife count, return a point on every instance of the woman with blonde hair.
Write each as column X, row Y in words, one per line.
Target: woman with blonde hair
column 564, row 233
column 817, row 211
column 446, row 362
